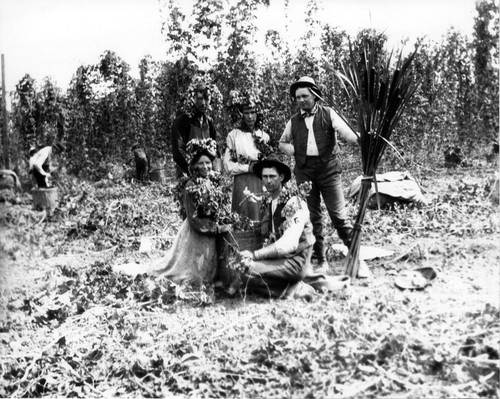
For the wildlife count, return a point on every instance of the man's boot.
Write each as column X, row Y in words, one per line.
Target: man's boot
column 322, row 265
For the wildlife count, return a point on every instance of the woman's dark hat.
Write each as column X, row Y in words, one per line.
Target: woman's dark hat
column 305, row 81
column 272, row 161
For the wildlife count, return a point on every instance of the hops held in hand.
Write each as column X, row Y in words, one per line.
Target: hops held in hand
column 252, row 197
column 240, row 263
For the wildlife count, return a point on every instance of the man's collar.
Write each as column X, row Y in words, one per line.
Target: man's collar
column 305, row 114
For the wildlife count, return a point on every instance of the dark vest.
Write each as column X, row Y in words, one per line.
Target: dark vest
column 324, row 133
column 200, row 132
column 277, row 219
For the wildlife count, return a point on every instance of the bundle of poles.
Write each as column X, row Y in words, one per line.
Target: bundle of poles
column 379, row 92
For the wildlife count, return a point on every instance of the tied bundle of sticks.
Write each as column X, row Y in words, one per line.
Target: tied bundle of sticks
column 379, row 97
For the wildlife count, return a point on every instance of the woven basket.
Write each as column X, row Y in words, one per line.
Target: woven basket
column 158, row 175
column 231, row 242
column 45, row 198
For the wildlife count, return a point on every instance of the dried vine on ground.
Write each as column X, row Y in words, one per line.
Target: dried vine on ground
column 71, row 327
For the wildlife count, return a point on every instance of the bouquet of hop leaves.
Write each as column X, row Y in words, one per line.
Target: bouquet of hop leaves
column 379, row 95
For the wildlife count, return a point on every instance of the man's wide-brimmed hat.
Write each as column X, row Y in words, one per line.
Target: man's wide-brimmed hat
column 305, row 81
column 272, row 161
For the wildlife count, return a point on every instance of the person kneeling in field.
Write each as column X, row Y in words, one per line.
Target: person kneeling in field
column 283, row 267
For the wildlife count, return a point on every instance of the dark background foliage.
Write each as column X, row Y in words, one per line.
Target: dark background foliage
column 105, row 110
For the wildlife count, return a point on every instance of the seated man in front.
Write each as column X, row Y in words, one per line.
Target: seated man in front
column 279, row 267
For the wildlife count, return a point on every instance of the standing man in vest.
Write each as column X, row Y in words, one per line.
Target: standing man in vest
column 311, row 137
column 194, row 123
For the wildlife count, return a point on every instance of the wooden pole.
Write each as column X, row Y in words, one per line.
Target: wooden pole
column 352, row 260
column 5, row 133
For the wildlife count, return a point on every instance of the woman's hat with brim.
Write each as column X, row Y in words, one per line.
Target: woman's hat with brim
column 272, row 161
column 305, row 81
column 415, row 279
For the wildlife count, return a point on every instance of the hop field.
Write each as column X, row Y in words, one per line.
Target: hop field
column 71, row 327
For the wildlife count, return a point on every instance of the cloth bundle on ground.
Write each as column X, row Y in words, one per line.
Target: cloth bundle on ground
column 416, row 279
column 392, row 187
column 9, row 179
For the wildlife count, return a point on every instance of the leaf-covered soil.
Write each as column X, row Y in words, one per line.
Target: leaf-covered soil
column 71, row 327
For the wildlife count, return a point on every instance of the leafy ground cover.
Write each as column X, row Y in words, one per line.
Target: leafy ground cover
column 71, row 327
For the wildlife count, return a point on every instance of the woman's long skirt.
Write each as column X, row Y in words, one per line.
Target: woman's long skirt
column 192, row 260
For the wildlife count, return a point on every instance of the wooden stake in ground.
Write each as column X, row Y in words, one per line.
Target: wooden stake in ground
column 45, row 199
column 5, row 132
column 379, row 98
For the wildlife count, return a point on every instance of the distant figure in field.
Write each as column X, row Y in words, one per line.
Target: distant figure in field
column 453, row 157
column 40, row 163
column 142, row 163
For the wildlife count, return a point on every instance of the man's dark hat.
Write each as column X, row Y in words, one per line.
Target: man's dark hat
column 272, row 161
column 305, row 81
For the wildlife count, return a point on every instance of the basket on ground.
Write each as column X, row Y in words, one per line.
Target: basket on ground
column 45, row 199
column 229, row 244
column 158, row 175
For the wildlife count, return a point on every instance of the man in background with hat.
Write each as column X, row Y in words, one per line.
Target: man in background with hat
column 311, row 137
column 282, row 268
column 193, row 123
column 40, row 163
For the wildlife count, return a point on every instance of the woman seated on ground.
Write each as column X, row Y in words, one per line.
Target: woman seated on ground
column 192, row 260
column 245, row 146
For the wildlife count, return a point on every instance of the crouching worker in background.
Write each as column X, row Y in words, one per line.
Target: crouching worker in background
column 283, row 267
column 40, row 164
column 142, row 164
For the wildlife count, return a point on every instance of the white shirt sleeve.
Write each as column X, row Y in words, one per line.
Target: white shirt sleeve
column 234, row 168
column 342, row 128
column 38, row 159
column 294, row 226
column 286, row 142
column 242, row 143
